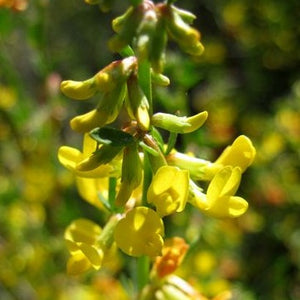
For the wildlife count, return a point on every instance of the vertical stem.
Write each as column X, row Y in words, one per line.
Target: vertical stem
column 144, row 78
column 143, row 269
column 112, row 192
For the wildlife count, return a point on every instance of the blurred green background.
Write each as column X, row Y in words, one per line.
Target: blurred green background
column 249, row 82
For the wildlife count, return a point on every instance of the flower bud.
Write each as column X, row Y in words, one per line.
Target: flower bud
column 88, row 121
column 137, row 103
column 115, row 74
column 179, row 124
column 125, row 26
column 187, row 37
column 106, row 112
column 79, row 90
column 131, row 174
column 186, row 16
column 158, row 45
column 118, row 23
column 144, row 34
column 159, row 79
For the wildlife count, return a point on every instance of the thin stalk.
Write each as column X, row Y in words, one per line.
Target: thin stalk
column 144, row 78
column 143, row 270
column 112, row 192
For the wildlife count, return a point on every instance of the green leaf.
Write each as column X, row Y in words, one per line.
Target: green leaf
column 171, row 142
column 111, row 136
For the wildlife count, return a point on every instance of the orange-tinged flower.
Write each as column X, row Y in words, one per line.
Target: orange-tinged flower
column 173, row 253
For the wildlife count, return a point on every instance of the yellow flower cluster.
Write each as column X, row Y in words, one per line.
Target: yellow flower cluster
column 129, row 172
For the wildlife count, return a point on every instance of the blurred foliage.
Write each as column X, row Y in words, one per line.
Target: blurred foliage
column 249, row 82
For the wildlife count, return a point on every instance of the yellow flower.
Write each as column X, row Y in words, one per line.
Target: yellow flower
column 219, row 201
column 140, row 232
column 71, row 157
column 240, row 154
column 81, row 237
column 169, row 190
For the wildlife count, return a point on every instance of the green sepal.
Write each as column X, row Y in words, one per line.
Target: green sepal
column 131, row 174
column 111, row 136
column 158, row 46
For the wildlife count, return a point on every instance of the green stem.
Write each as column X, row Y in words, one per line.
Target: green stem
column 106, row 237
column 112, row 192
column 143, row 270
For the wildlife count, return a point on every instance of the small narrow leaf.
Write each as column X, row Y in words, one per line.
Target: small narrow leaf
column 111, row 136
column 148, row 149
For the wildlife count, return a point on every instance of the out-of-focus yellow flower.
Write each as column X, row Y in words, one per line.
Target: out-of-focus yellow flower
column 140, row 232
column 205, row 262
column 172, row 255
column 71, row 157
column 169, row 190
column 90, row 189
column 81, row 237
column 219, row 201
column 187, row 37
column 8, row 97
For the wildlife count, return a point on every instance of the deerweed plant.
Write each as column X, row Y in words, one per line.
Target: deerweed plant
column 129, row 171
